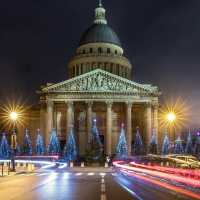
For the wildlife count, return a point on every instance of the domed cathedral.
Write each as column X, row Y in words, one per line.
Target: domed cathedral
column 99, row 48
column 99, row 88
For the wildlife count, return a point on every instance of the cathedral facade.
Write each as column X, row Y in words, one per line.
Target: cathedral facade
column 99, row 87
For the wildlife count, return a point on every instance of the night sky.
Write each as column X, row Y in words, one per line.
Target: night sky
column 161, row 39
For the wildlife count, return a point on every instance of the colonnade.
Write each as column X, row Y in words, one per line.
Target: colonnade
column 151, row 118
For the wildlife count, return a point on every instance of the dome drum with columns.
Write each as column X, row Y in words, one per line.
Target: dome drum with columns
column 99, row 87
column 100, row 47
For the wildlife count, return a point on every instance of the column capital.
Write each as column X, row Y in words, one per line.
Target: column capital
column 109, row 103
column 89, row 103
column 69, row 103
column 155, row 105
column 148, row 104
column 49, row 103
column 129, row 103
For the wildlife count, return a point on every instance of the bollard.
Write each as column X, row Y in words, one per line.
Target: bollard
column 161, row 164
column 167, row 164
column 33, row 167
column 106, row 165
column 29, row 167
column 18, row 165
column 71, row 164
column 82, row 164
column 24, row 166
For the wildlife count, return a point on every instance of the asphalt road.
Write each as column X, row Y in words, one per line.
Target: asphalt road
column 80, row 185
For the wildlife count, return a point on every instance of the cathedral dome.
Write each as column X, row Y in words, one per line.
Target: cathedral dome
column 100, row 33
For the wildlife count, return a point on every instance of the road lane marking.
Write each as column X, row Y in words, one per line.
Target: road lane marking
column 43, row 174
column 103, row 197
column 79, row 174
column 103, row 187
column 90, row 174
column 102, row 174
column 130, row 191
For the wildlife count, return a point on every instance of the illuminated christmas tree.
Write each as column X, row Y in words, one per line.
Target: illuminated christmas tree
column 178, row 149
column 18, row 150
column 27, row 146
column 189, row 145
column 70, row 151
column 122, row 149
column 165, row 145
column 4, row 147
column 54, row 144
column 96, row 150
column 153, row 143
column 138, row 147
column 39, row 147
column 197, row 145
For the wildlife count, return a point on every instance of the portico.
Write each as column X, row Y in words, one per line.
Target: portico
column 110, row 99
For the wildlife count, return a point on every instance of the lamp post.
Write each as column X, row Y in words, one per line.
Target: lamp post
column 13, row 117
column 171, row 119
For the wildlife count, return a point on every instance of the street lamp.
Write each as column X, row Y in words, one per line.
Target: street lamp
column 171, row 119
column 13, row 117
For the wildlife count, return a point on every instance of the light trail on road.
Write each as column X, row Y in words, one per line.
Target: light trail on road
column 181, row 172
column 189, row 181
column 131, row 171
column 164, row 185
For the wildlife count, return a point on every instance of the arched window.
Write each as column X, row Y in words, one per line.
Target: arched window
column 91, row 50
column 84, row 51
column 115, row 51
column 108, row 50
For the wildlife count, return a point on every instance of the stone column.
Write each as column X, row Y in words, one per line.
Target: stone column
column 42, row 118
column 58, row 123
column 129, row 125
column 108, row 128
column 49, row 120
column 70, row 115
column 148, row 123
column 89, row 120
column 155, row 117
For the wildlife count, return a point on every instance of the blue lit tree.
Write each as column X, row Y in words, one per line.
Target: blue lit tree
column 39, row 146
column 54, row 144
column 122, row 149
column 165, row 145
column 4, row 147
column 96, row 147
column 18, row 150
column 138, row 147
column 197, row 144
column 27, row 146
column 70, row 151
column 153, row 147
column 178, row 149
column 189, row 144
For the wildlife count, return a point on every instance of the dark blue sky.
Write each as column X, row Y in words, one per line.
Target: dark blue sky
column 161, row 39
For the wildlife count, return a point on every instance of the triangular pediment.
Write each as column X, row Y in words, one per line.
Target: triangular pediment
column 101, row 81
